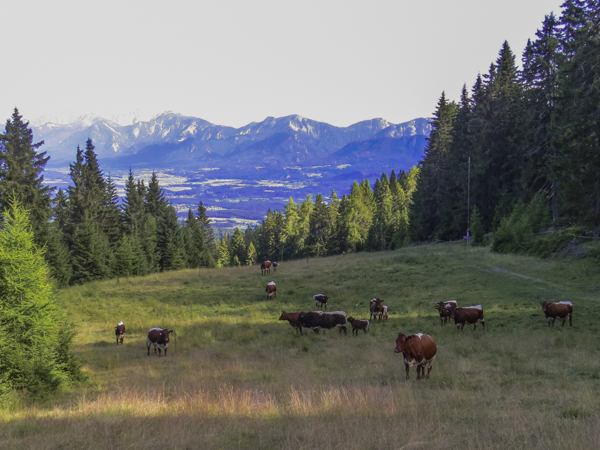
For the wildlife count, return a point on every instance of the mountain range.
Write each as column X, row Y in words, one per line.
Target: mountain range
column 179, row 142
column 238, row 173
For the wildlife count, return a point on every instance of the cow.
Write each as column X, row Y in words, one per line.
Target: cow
column 320, row 319
column 417, row 349
column 468, row 314
column 446, row 310
column 120, row 332
column 159, row 338
column 385, row 312
column 274, row 266
column 265, row 267
column 292, row 318
column 271, row 290
column 362, row 324
column 376, row 308
column 321, row 301
column 558, row 309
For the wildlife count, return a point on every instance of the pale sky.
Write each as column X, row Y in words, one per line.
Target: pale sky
column 236, row 62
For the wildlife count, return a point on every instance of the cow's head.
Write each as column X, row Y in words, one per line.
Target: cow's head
column 283, row 316
column 544, row 306
column 400, row 342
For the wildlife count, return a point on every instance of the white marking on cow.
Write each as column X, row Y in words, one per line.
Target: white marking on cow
column 152, row 329
column 565, row 302
column 473, row 307
column 120, row 323
column 272, row 283
column 420, row 335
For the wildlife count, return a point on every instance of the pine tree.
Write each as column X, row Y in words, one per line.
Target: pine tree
column 318, row 227
column 237, row 247
column 207, row 230
column 251, row 256
column 35, row 342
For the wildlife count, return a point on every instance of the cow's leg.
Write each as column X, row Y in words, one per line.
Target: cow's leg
column 148, row 349
column 564, row 320
column 166, row 351
column 474, row 326
column 407, row 369
column 429, row 367
column 570, row 320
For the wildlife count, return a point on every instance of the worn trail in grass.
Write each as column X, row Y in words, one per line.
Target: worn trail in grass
column 236, row 377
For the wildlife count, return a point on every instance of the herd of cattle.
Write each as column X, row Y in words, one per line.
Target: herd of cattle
column 418, row 349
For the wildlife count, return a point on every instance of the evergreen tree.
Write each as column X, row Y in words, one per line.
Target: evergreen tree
column 208, row 232
column 237, row 247
column 251, row 256
column 35, row 342
column 21, row 174
column 431, row 197
column 319, row 226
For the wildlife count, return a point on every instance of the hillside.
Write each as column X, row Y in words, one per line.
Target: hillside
column 236, row 377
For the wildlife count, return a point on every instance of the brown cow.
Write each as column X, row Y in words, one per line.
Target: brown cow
column 358, row 325
column 469, row 314
column 316, row 320
column 321, row 300
column 265, row 267
column 558, row 309
column 376, row 308
column 120, row 332
column 160, row 338
column 446, row 310
column 420, row 349
column 271, row 289
column 292, row 318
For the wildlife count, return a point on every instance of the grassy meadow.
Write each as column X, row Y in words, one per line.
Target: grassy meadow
column 236, row 377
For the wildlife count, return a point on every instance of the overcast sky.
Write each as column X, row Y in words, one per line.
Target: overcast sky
column 236, row 62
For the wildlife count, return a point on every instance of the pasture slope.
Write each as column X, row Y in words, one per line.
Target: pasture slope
column 237, row 378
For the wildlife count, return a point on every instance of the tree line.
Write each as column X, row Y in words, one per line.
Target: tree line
column 87, row 232
column 519, row 137
column 367, row 219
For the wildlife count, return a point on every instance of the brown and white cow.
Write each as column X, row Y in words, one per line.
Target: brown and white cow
column 120, row 332
column 362, row 324
column 265, row 267
column 292, row 318
column 385, row 312
column 446, row 309
column 159, row 338
column 469, row 314
column 558, row 309
column 321, row 301
column 271, row 290
column 274, row 266
column 419, row 349
column 376, row 308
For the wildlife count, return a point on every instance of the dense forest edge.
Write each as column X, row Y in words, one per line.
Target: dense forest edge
column 515, row 164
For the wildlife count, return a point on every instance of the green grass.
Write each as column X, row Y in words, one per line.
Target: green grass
column 236, row 377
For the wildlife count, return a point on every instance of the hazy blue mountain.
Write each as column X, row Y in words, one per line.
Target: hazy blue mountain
column 183, row 142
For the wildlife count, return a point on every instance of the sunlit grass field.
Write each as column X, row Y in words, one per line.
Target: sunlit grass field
column 236, row 377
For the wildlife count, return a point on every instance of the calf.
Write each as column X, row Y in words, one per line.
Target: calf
column 358, row 325
column 159, row 338
column 446, row 310
column 274, row 266
column 469, row 314
column 120, row 332
column 292, row 318
column 417, row 349
column 271, row 290
column 385, row 312
column 558, row 309
column 321, row 301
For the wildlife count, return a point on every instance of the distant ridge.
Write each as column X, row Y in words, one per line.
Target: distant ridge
column 181, row 142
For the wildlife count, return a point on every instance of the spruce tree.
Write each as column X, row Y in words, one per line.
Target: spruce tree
column 35, row 352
